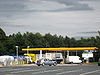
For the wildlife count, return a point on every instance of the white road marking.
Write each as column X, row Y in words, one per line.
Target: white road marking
column 9, row 74
column 28, row 70
column 13, row 69
column 69, row 71
column 46, row 71
column 89, row 72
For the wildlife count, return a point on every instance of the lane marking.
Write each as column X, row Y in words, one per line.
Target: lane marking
column 46, row 71
column 14, row 69
column 89, row 72
column 9, row 74
column 69, row 71
column 28, row 70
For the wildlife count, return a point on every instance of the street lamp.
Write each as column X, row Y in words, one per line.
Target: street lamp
column 27, row 53
column 17, row 53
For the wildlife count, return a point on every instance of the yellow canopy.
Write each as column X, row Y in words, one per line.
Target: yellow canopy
column 61, row 49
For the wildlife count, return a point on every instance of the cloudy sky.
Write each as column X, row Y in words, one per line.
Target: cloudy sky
column 61, row 17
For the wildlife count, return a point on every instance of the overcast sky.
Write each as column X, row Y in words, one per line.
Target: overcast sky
column 61, row 17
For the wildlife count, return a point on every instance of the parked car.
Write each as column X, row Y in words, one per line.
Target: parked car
column 46, row 62
column 99, row 62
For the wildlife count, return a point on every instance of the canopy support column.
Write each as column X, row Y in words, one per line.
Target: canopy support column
column 40, row 54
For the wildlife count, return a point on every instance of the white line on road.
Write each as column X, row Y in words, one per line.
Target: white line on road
column 89, row 72
column 28, row 70
column 9, row 74
column 69, row 71
column 13, row 69
column 46, row 71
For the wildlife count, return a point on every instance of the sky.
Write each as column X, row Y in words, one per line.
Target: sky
column 73, row 18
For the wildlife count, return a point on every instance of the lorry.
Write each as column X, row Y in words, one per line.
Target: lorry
column 73, row 59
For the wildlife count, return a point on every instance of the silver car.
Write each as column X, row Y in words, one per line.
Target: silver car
column 46, row 62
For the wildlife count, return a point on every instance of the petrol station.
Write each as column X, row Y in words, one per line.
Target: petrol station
column 64, row 50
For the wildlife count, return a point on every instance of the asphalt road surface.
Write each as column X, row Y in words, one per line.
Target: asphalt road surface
column 51, row 70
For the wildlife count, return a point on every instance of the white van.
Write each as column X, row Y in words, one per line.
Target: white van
column 73, row 59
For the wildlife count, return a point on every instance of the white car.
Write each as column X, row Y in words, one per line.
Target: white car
column 46, row 62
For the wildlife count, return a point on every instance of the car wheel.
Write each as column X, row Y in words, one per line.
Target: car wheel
column 54, row 64
column 38, row 65
column 71, row 62
column 49, row 65
column 43, row 64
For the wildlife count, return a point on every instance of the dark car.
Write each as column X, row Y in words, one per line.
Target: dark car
column 46, row 62
column 99, row 62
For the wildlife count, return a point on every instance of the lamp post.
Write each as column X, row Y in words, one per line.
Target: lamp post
column 17, row 53
column 27, row 53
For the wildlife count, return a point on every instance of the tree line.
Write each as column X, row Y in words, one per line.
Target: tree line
column 37, row 40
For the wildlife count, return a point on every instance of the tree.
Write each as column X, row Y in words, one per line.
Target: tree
column 48, row 37
column 67, row 41
column 61, row 41
column 97, row 42
column 2, row 36
column 3, row 39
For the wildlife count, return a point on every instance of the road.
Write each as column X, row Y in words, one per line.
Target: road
column 51, row 70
